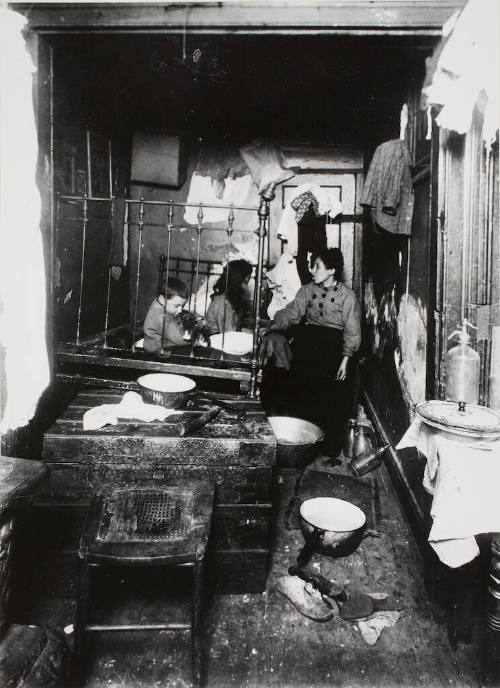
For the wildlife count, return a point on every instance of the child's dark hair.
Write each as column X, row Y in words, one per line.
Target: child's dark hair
column 332, row 258
column 174, row 287
column 231, row 281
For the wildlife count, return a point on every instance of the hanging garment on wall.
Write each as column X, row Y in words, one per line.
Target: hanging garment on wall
column 464, row 69
column 266, row 163
column 284, row 283
column 288, row 227
column 388, row 191
column 22, row 275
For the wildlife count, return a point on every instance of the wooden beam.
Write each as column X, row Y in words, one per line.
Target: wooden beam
column 93, row 359
column 396, row 17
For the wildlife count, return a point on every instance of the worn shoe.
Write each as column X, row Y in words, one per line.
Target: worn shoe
column 310, row 604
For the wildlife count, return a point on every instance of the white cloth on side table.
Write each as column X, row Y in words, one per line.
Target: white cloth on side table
column 131, row 406
column 463, row 475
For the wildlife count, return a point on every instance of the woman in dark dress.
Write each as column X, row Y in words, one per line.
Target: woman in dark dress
column 325, row 325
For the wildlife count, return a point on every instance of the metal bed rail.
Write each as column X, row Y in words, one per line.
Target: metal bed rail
column 199, row 266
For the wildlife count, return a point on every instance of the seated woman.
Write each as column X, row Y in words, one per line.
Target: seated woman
column 161, row 327
column 325, row 316
column 229, row 304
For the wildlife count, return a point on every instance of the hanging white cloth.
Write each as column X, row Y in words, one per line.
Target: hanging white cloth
column 467, row 71
column 284, row 281
column 238, row 191
column 22, row 276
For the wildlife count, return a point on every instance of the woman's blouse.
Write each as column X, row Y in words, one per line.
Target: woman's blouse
column 155, row 329
column 217, row 320
column 334, row 306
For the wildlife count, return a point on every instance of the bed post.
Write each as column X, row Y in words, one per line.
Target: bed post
column 266, row 196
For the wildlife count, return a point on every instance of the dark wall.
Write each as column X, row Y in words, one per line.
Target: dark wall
column 87, row 131
column 400, row 284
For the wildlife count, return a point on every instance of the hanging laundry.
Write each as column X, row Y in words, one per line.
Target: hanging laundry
column 266, row 163
column 284, row 282
column 327, row 203
column 239, row 191
column 302, row 203
column 388, row 191
column 312, row 239
column 464, row 70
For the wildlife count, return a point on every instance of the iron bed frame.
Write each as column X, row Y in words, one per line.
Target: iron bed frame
column 95, row 353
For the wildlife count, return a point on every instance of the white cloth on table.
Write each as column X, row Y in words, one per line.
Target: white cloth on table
column 131, row 406
column 463, row 475
column 288, row 229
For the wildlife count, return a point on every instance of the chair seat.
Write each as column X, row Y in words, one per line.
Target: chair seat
column 148, row 525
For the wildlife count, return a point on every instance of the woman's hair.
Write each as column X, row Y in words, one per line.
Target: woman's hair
column 332, row 258
column 231, row 281
column 174, row 287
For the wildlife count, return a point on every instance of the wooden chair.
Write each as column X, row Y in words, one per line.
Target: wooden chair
column 149, row 525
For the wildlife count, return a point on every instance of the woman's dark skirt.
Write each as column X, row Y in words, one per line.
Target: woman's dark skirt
column 309, row 390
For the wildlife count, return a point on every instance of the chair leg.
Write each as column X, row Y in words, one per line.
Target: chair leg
column 196, row 614
column 82, row 611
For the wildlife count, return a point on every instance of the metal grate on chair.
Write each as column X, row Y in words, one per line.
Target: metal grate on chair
column 145, row 515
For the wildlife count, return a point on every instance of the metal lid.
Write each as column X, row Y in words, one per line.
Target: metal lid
column 461, row 418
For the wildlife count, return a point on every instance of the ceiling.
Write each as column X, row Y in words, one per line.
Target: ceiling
column 314, row 87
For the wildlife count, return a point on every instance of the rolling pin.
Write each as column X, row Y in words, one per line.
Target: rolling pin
column 191, row 425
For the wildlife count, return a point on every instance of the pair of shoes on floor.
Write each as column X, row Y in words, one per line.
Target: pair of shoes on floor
column 305, row 598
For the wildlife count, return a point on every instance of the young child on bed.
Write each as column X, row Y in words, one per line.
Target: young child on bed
column 229, row 304
column 162, row 328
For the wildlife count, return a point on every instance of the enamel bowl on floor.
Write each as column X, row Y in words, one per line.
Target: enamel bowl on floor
column 331, row 526
column 165, row 389
column 298, row 441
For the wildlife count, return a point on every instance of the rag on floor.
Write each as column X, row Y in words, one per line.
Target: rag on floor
column 388, row 190
column 372, row 626
column 463, row 476
column 131, row 406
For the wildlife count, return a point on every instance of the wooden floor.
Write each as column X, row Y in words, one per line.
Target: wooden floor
column 263, row 641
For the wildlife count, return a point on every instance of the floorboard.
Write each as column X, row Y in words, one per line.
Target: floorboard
column 263, row 641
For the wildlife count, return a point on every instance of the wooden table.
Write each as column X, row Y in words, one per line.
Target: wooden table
column 239, row 455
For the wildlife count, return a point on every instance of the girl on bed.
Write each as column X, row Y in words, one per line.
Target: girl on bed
column 229, row 304
column 161, row 327
column 325, row 317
